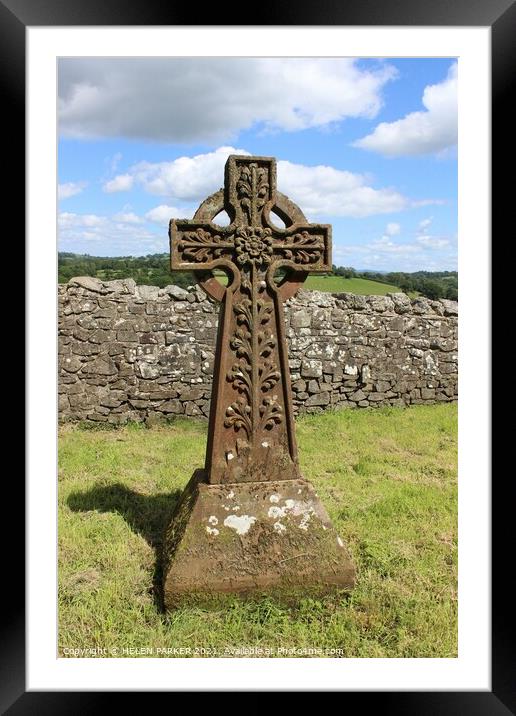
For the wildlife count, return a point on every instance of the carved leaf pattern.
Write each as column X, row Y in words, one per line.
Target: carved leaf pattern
column 244, row 190
column 240, row 376
column 252, row 186
column 239, row 413
column 262, row 187
column 264, row 311
column 269, row 376
column 201, row 245
column 304, row 248
column 271, row 412
column 266, row 344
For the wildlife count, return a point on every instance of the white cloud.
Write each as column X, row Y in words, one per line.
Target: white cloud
column 108, row 236
column 128, row 218
column 424, row 225
column 319, row 190
column 163, row 213
column 114, row 161
column 386, row 245
column 430, row 131
column 325, row 191
column 384, row 255
column 68, row 220
column 427, row 202
column 186, row 178
column 423, row 253
column 392, row 229
column 424, row 239
column 65, row 191
column 433, row 242
column 212, row 99
column 122, row 182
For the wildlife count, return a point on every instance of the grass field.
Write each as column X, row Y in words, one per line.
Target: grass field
column 388, row 479
column 338, row 284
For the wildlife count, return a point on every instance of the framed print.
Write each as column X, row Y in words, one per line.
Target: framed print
column 66, row 53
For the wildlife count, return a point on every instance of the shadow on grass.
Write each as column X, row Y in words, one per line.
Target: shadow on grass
column 147, row 515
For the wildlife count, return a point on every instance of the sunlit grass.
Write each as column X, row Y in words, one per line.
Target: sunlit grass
column 337, row 284
column 388, row 478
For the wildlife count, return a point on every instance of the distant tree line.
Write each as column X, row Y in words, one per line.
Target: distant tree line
column 154, row 270
column 432, row 284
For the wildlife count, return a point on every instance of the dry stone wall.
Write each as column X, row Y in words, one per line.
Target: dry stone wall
column 142, row 353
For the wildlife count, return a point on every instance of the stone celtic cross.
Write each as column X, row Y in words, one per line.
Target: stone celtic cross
column 251, row 433
column 249, row 522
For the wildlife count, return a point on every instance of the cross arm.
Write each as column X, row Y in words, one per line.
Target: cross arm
column 305, row 248
column 198, row 246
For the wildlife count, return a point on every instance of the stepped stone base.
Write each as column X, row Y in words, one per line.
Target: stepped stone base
column 251, row 538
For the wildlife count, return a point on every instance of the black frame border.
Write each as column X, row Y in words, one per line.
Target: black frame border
column 500, row 16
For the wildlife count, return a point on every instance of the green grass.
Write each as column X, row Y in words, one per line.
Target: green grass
column 337, row 284
column 388, row 479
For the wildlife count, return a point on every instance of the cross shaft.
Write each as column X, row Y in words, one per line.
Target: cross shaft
column 251, row 431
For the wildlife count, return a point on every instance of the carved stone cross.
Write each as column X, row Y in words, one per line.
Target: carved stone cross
column 249, row 522
column 251, row 432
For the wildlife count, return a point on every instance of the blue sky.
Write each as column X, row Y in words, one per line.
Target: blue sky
column 366, row 145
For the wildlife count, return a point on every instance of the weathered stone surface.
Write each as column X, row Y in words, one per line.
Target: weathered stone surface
column 192, row 409
column 313, row 386
column 71, row 364
column 382, row 386
column 82, row 334
column 365, row 373
column 101, row 336
column 311, row 368
column 299, row 386
column 127, row 337
column 251, row 433
column 248, row 538
column 63, row 403
column 381, row 303
column 376, row 397
column 428, row 393
column 87, row 282
column 103, row 365
column 318, row 399
column 353, row 301
column 301, row 319
column 421, row 305
column 175, row 292
column 148, row 293
column 451, row 308
column 357, row 396
column 122, row 285
column 401, row 302
column 171, row 406
column 147, row 370
column 350, row 369
column 357, row 369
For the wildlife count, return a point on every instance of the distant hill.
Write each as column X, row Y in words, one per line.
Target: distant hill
column 370, row 271
column 154, row 270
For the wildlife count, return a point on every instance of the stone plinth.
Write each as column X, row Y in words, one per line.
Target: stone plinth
column 252, row 538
